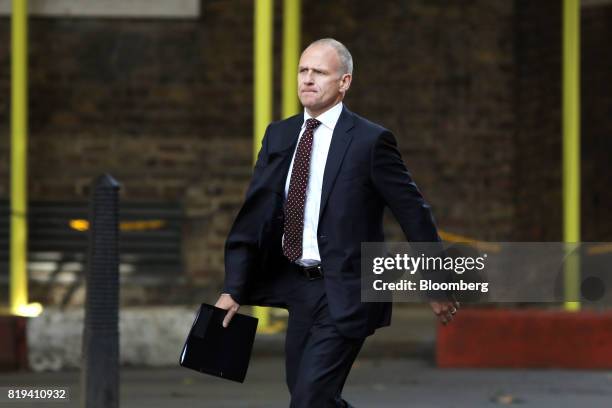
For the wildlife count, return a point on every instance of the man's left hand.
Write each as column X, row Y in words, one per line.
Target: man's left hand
column 445, row 310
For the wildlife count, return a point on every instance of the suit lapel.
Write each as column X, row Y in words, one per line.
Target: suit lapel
column 341, row 138
column 291, row 132
column 280, row 151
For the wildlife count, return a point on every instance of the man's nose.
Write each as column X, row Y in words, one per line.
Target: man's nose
column 308, row 78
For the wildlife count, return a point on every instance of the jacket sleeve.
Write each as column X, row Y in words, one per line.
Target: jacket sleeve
column 241, row 243
column 401, row 194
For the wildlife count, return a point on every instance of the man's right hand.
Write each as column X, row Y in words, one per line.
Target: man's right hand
column 227, row 303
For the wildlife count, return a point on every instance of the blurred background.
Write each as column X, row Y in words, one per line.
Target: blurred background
column 471, row 89
column 161, row 96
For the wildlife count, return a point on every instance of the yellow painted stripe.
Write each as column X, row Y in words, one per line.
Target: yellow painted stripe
column 600, row 249
column 450, row 237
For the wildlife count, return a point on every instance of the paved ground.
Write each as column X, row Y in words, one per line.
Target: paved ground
column 412, row 334
column 395, row 369
column 373, row 383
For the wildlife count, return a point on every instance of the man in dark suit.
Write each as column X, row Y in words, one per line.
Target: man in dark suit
column 319, row 189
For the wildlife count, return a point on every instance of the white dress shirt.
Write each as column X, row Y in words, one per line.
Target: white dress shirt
column 320, row 147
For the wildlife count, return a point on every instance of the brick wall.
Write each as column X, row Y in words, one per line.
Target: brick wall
column 538, row 166
column 470, row 89
column 440, row 75
column 162, row 105
column 538, row 126
column 596, row 123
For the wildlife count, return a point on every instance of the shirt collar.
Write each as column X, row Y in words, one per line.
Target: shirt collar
column 329, row 118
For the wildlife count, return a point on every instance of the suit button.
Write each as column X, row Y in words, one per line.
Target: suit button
column 322, row 237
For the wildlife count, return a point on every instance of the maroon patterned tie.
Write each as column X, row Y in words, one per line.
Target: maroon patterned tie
column 296, row 196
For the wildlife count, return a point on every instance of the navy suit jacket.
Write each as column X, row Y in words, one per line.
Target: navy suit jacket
column 364, row 173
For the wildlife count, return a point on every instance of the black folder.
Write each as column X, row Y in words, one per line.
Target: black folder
column 212, row 349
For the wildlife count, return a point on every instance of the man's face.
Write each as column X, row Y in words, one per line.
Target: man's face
column 321, row 85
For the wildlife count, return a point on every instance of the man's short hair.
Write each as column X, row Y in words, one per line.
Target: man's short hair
column 346, row 59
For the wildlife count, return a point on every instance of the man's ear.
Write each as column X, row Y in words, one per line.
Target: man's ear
column 345, row 82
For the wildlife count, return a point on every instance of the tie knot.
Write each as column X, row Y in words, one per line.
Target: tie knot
column 312, row 124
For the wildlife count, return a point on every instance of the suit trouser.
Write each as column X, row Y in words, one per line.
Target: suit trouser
column 318, row 358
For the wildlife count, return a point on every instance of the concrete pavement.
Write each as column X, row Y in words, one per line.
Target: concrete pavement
column 153, row 336
column 395, row 369
column 373, row 382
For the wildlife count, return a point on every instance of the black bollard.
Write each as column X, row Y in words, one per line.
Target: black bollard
column 100, row 354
